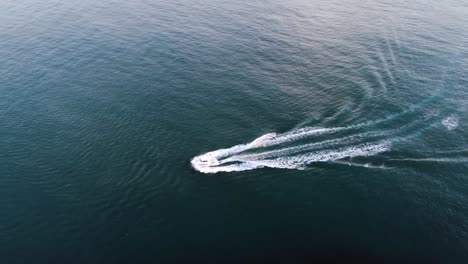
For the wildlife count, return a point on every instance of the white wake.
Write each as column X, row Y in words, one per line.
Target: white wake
column 450, row 122
column 298, row 148
column 289, row 151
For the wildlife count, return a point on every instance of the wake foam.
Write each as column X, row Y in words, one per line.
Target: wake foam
column 289, row 151
column 450, row 122
column 300, row 147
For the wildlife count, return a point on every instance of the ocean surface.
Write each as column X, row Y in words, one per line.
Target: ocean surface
column 229, row 131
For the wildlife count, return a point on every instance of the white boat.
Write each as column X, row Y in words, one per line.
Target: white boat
column 206, row 161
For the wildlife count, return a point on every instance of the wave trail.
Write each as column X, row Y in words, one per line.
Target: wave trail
column 298, row 148
column 290, row 150
column 300, row 161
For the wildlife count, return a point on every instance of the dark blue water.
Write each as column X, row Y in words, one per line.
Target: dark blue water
column 106, row 105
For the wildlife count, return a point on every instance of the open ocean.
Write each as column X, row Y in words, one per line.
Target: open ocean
column 337, row 131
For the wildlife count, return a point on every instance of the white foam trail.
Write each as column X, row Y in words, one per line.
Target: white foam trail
column 275, row 150
column 232, row 159
column 272, row 139
column 311, row 146
column 450, row 122
column 365, row 165
column 291, row 150
column 299, row 161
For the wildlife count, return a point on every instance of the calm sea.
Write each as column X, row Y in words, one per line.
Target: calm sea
column 334, row 131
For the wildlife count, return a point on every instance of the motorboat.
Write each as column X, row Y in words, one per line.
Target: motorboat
column 209, row 161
